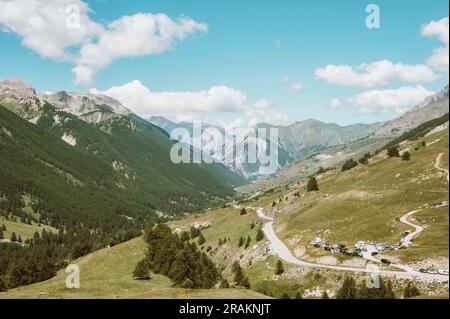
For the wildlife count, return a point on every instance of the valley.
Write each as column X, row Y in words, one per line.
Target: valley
column 258, row 236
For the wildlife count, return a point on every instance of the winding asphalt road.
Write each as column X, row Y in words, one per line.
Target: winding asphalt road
column 285, row 254
column 407, row 241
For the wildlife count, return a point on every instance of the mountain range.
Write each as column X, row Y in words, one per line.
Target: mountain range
column 93, row 154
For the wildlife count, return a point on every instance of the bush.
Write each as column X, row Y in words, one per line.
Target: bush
column 243, row 211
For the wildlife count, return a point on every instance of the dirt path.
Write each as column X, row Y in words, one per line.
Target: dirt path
column 437, row 165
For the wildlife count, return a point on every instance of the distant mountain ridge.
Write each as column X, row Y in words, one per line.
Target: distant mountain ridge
column 131, row 153
column 295, row 142
column 432, row 107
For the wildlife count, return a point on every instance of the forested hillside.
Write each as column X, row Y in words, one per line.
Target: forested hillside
column 94, row 182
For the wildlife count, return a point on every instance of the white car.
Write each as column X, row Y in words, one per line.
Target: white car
column 443, row 272
column 360, row 245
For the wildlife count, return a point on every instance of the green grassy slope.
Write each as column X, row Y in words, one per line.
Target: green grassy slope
column 300, row 170
column 366, row 202
column 107, row 274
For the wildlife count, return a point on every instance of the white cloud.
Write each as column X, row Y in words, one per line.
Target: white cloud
column 374, row 74
column 142, row 101
column 43, row 25
column 291, row 85
column 440, row 29
column 335, row 103
column 400, row 100
column 133, row 36
column 63, row 30
column 254, row 117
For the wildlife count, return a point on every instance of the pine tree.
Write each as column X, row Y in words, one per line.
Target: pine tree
column 298, row 295
column 325, row 295
column 279, row 268
column 259, row 235
column 393, row 151
column 243, row 211
column 406, row 156
column 224, row 284
column 247, row 243
column 201, row 239
column 20, row 239
column 410, row 291
column 141, row 271
column 1, row 234
column 312, row 185
column 3, row 227
column 348, row 289
column 13, row 237
column 285, row 296
column 241, row 241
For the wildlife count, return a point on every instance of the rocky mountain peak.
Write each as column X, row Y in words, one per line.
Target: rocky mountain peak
column 17, row 87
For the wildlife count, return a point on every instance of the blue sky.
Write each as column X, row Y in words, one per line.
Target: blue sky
column 250, row 46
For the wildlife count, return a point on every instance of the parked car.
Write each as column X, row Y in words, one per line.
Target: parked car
column 385, row 261
column 443, row 272
column 360, row 245
column 374, row 253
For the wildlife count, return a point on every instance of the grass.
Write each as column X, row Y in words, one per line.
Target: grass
column 366, row 202
column 226, row 223
column 107, row 274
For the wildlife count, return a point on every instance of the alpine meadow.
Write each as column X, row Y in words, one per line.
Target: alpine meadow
column 201, row 151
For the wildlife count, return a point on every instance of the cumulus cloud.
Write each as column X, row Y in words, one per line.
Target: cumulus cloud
column 399, row 100
column 375, row 74
column 440, row 29
column 335, row 103
column 46, row 27
column 291, row 85
column 63, row 30
column 133, row 36
column 145, row 102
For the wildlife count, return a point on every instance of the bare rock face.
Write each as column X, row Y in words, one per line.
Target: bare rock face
column 17, row 87
column 79, row 103
column 432, row 107
column 75, row 103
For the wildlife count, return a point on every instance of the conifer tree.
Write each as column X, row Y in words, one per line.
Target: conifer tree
column 279, row 268
column 348, row 289
column 141, row 271
column 312, row 185
column 201, row 239
column 247, row 243
column 259, row 235
column 241, row 241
